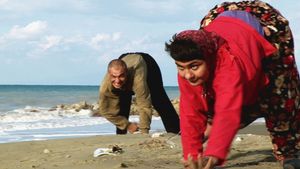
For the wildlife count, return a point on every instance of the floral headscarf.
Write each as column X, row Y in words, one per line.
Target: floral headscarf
column 208, row 42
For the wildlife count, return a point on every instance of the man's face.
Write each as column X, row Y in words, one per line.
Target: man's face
column 194, row 71
column 117, row 76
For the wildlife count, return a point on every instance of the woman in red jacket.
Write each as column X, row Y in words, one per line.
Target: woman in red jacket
column 238, row 67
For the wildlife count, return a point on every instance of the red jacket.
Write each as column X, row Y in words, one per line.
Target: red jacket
column 237, row 80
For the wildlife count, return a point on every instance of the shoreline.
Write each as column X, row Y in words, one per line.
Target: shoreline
column 251, row 149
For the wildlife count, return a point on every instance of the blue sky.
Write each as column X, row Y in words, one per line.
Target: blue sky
column 70, row 42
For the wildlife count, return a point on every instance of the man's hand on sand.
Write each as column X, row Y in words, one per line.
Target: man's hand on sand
column 132, row 127
column 201, row 163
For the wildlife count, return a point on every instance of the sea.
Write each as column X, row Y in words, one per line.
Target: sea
column 30, row 113
column 27, row 113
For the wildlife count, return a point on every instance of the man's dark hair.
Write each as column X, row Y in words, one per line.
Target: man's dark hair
column 183, row 49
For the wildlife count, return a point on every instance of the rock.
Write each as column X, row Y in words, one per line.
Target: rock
column 123, row 165
column 46, row 151
column 68, row 156
column 95, row 107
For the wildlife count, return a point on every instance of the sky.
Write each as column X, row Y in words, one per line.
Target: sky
column 70, row 42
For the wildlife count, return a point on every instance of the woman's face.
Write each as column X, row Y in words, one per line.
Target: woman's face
column 194, row 71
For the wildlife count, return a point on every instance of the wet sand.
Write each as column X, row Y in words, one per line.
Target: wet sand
column 251, row 149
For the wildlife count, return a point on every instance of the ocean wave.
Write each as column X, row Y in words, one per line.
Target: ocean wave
column 31, row 118
column 41, row 118
column 35, row 114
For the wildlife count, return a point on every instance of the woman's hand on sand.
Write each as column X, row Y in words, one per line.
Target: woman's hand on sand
column 201, row 163
column 132, row 127
column 206, row 133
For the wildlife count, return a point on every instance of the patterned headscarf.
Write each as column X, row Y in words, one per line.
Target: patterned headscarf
column 207, row 42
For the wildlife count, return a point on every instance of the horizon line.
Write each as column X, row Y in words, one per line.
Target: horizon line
column 62, row 85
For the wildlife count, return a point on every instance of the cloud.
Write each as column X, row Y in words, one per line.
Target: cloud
column 3, row 2
column 100, row 38
column 151, row 7
column 31, row 30
column 75, row 39
column 163, row 11
column 29, row 6
column 50, row 41
column 146, row 43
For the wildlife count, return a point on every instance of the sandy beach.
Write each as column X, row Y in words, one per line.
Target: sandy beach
column 251, row 149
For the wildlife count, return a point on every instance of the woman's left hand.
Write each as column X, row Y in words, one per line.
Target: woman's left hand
column 200, row 163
